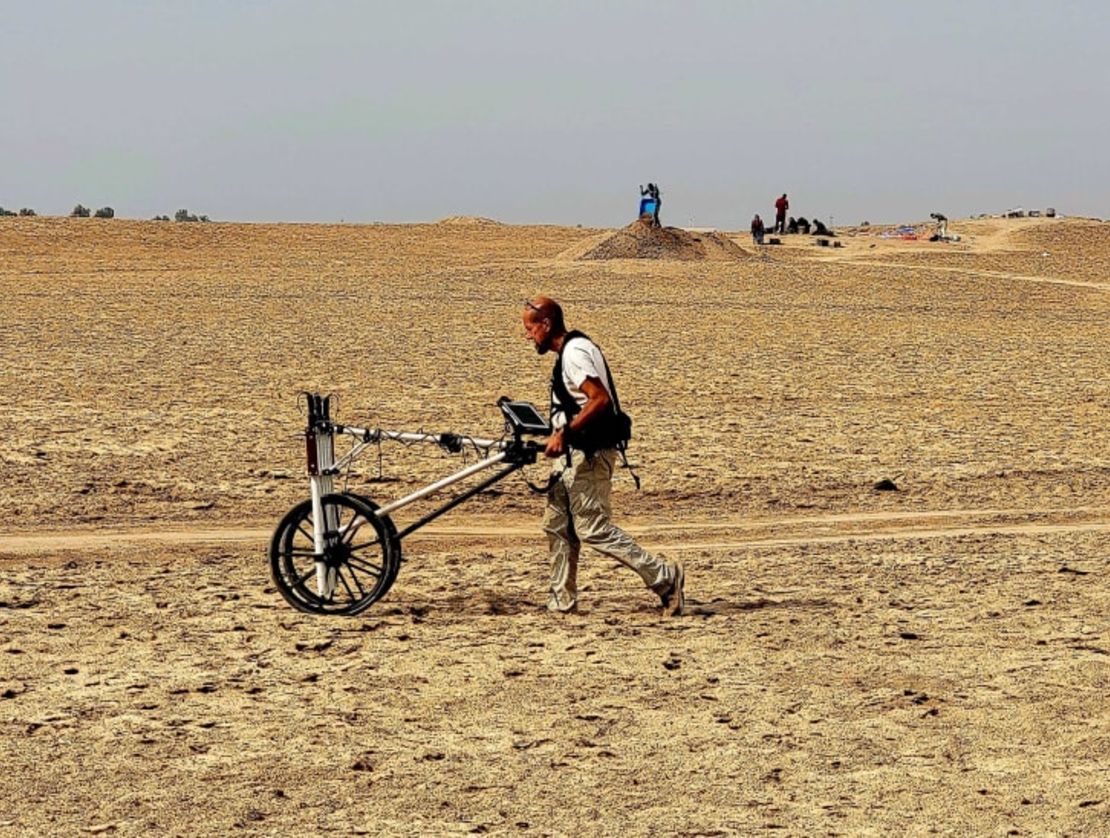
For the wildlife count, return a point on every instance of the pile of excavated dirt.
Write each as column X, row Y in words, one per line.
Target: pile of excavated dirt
column 469, row 220
column 643, row 241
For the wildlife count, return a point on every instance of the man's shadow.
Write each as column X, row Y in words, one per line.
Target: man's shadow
column 720, row 607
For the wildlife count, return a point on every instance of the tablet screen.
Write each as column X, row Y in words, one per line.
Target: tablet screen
column 524, row 416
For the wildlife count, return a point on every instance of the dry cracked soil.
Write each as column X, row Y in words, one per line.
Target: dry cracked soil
column 930, row 659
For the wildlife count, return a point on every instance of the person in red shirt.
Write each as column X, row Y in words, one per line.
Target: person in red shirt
column 781, row 206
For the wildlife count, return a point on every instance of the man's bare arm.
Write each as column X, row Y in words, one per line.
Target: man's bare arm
column 598, row 401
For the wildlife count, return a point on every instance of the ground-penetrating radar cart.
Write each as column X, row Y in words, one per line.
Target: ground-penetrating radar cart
column 339, row 552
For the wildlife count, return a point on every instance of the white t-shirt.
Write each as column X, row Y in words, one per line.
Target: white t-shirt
column 581, row 360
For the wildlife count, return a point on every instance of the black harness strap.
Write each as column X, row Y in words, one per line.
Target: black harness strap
column 617, row 429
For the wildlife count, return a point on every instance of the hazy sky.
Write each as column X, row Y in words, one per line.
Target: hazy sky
column 554, row 112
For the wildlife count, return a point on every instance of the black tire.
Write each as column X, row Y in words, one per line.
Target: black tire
column 364, row 562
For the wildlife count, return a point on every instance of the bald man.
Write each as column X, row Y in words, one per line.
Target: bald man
column 585, row 414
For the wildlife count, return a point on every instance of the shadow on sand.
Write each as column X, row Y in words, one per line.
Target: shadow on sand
column 723, row 607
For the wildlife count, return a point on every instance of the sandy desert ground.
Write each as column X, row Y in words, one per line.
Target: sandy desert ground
column 932, row 660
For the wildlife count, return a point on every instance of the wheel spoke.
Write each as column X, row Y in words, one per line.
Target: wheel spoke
column 343, row 579
column 354, row 578
column 352, row 530
column 300, row 551
column 304, row 578
column 299, row 534
column 356, row 547
column 364, row 566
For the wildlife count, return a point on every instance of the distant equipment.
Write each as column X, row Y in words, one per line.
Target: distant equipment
column 1020, row 212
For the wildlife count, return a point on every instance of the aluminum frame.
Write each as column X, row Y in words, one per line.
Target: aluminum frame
column 323, row 467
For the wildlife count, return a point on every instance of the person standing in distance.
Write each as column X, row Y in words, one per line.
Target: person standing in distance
column 757, row 229
column 584, row 413
column 781, row 206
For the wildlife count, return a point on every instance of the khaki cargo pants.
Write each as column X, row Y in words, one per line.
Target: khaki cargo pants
column 578, row 512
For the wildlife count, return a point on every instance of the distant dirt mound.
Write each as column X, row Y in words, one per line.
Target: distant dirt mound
column 1071, row 235
column 469, row 221
column 642, row 241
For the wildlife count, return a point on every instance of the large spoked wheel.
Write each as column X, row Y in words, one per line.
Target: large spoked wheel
column 357, row 567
